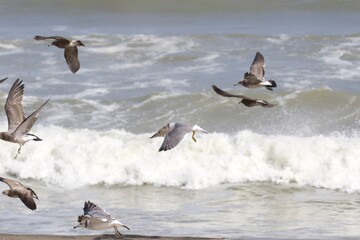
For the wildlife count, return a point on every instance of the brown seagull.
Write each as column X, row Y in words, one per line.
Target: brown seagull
column 17, row 190
column 19, row 126
column 255, row 78
column 249, row 102
column 70, row 52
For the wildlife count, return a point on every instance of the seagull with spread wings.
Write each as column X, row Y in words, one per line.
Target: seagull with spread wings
column 70, row 50
column 175, row 133
column 19, row 126
column 255, row 78
column 96, row 218
column 17, row 190
column 249, row 102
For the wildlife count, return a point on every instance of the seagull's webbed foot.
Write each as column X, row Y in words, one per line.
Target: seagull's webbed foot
column 193, row 136
column 118, row 235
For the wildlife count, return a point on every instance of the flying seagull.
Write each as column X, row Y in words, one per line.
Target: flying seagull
column 2, row 80
column 96, row 218
column 174, row 133
column 70, row 52
column 255, row 78
column 249, row 102
column 17, row 190
column 19, row 126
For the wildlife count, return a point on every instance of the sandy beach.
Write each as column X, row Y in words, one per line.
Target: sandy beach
column 90, row 237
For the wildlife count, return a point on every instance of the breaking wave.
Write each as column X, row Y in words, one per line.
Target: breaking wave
column 73, row 158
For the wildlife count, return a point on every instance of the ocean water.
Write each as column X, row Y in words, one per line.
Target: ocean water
column 289, row 172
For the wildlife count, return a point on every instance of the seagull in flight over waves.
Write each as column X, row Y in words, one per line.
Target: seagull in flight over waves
column 17, row 190
column 70, row 50
column 255, row 78
column 174, row 133
column 249, row 102
column 96, row 218
column 19, row 126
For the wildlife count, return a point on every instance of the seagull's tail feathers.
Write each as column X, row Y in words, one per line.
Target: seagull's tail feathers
column 33, row 137
column 270, row 84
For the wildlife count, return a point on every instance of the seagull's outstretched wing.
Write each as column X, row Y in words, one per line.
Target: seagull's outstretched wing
column 72, row 60
column 249, row 102
column 11, row 183
column 13, row 106
column 95, row 211
column 175, row 136
column 2, row 80
column 29, row 122
column 26, row 198
column 227, row 94
column 257, row 68
column 162, row 132
column 37, row 37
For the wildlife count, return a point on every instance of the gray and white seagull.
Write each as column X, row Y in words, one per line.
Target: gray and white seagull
column 19, row 126
column 249, row 102
column 96, row 218
column 255, row 78
column 70, row 50
column 17, row 190
column 174, row 133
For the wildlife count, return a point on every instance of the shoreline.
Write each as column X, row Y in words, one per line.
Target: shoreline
column 92, row 237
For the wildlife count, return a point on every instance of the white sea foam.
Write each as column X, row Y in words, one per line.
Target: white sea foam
column 333, row 55
column 73, row 158
column 7, row 46
column 10, row 49
column 139, row 50
column 343, row 58
column 282, row 38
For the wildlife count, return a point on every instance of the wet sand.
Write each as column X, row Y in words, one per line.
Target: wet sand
column 92, row 237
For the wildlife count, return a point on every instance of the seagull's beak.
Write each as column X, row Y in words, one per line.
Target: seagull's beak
column 76, row 226
column 81, row 44
column 125, row 227
column 153, row 136
column 239, row 83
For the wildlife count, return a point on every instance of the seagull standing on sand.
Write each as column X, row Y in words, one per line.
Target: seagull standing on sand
column 96, row 218
column 174, row 133
column 70, row 52
column 17, row 190
column 249, row 102
column 255, row 78
column 19, row 126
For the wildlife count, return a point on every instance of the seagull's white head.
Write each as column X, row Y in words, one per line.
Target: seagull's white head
column 197, row 128
column 76, row 43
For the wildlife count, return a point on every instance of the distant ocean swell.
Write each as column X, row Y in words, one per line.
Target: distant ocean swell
column 73, row 158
